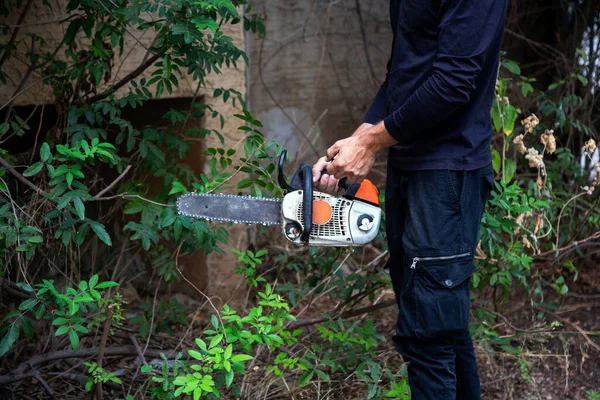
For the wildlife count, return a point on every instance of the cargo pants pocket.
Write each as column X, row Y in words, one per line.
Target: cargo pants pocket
column 442, row 295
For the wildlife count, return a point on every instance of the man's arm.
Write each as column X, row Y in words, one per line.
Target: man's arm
column 378, row 110
column 467, row 30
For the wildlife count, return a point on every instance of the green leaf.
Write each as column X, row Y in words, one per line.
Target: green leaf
column 510, row 169
column 215, row 341
column 241, row 358
column 93, row 281
column 511, row 349
column 496, row 116
column 526, row 88
column 496, row 161
column 146, row 369
column 512, row 67
column 27, row 327
column 195, row 354
column 228, row 352
column 28, row 304
column 582, row 79
column 493, row 279
column 99, row 230
column 202, row 22
column 73, row 307
column 107, row 284
column 69, row 178
column 79, row 207
column 229, row 378
column 81, row 329
column 197, row 393
column 509, row 120
column 201, row 344
column 9, row 339
column 33, row 169
column 305, row 378
column 61, row 330
column 178, row 188
column 322, row 375
column 45, row 152
column 74, row 339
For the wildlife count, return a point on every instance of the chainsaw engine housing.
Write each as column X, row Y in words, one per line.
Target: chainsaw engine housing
column 350, row 223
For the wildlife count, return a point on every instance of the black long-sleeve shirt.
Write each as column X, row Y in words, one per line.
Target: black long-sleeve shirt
column 440, row 82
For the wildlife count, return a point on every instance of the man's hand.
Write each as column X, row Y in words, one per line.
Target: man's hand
column 351, row 158
column 354, row 157
column 325, row 183
column 328, row 183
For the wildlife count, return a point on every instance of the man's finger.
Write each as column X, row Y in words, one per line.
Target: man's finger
column 331, row 168
column 331, row 184
column 332, row 152
column 318, row 169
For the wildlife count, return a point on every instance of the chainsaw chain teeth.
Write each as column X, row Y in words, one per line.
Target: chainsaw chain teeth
column 222, row 219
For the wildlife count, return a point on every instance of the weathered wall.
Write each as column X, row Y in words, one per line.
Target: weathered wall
column 318, row 69
column 39, row 21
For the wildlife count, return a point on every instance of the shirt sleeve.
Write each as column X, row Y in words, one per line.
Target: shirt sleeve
column 467, row 30
column 378, row 110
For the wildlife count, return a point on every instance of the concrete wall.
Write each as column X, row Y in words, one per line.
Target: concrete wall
column 318, row 69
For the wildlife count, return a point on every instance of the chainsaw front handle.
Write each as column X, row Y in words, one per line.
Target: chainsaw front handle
column 305, row 173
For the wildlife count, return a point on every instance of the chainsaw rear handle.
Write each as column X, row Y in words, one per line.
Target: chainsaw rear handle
column 365, row 191
column 343, row 183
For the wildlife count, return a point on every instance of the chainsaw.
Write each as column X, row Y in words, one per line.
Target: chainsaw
column 306, row 217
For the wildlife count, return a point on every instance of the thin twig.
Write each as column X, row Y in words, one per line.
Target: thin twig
column 199, row 291
column 152, row 317
column 507, row 322
column 578, row 328
column 20, row 177
column 56, row 21
column 560, row 216
column 100, row 361
column 236, row 171
column 138, row 348
column 132, row 196
column 37, row 134
column 106, row 189
column 47, row 387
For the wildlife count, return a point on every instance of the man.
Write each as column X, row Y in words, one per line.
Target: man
column 433, row 113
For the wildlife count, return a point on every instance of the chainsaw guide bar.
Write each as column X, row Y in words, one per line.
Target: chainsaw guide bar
column 231, row 208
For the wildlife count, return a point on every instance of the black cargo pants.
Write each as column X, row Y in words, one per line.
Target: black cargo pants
column 432, row 220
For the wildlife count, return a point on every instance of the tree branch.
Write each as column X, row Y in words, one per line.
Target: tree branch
column 130, row 76
column 348, row 314
column 15, row 32
column 103, row 191
column 21, row 372
column 12, row 290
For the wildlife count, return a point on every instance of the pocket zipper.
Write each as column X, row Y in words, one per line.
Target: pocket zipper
column 417, row 259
